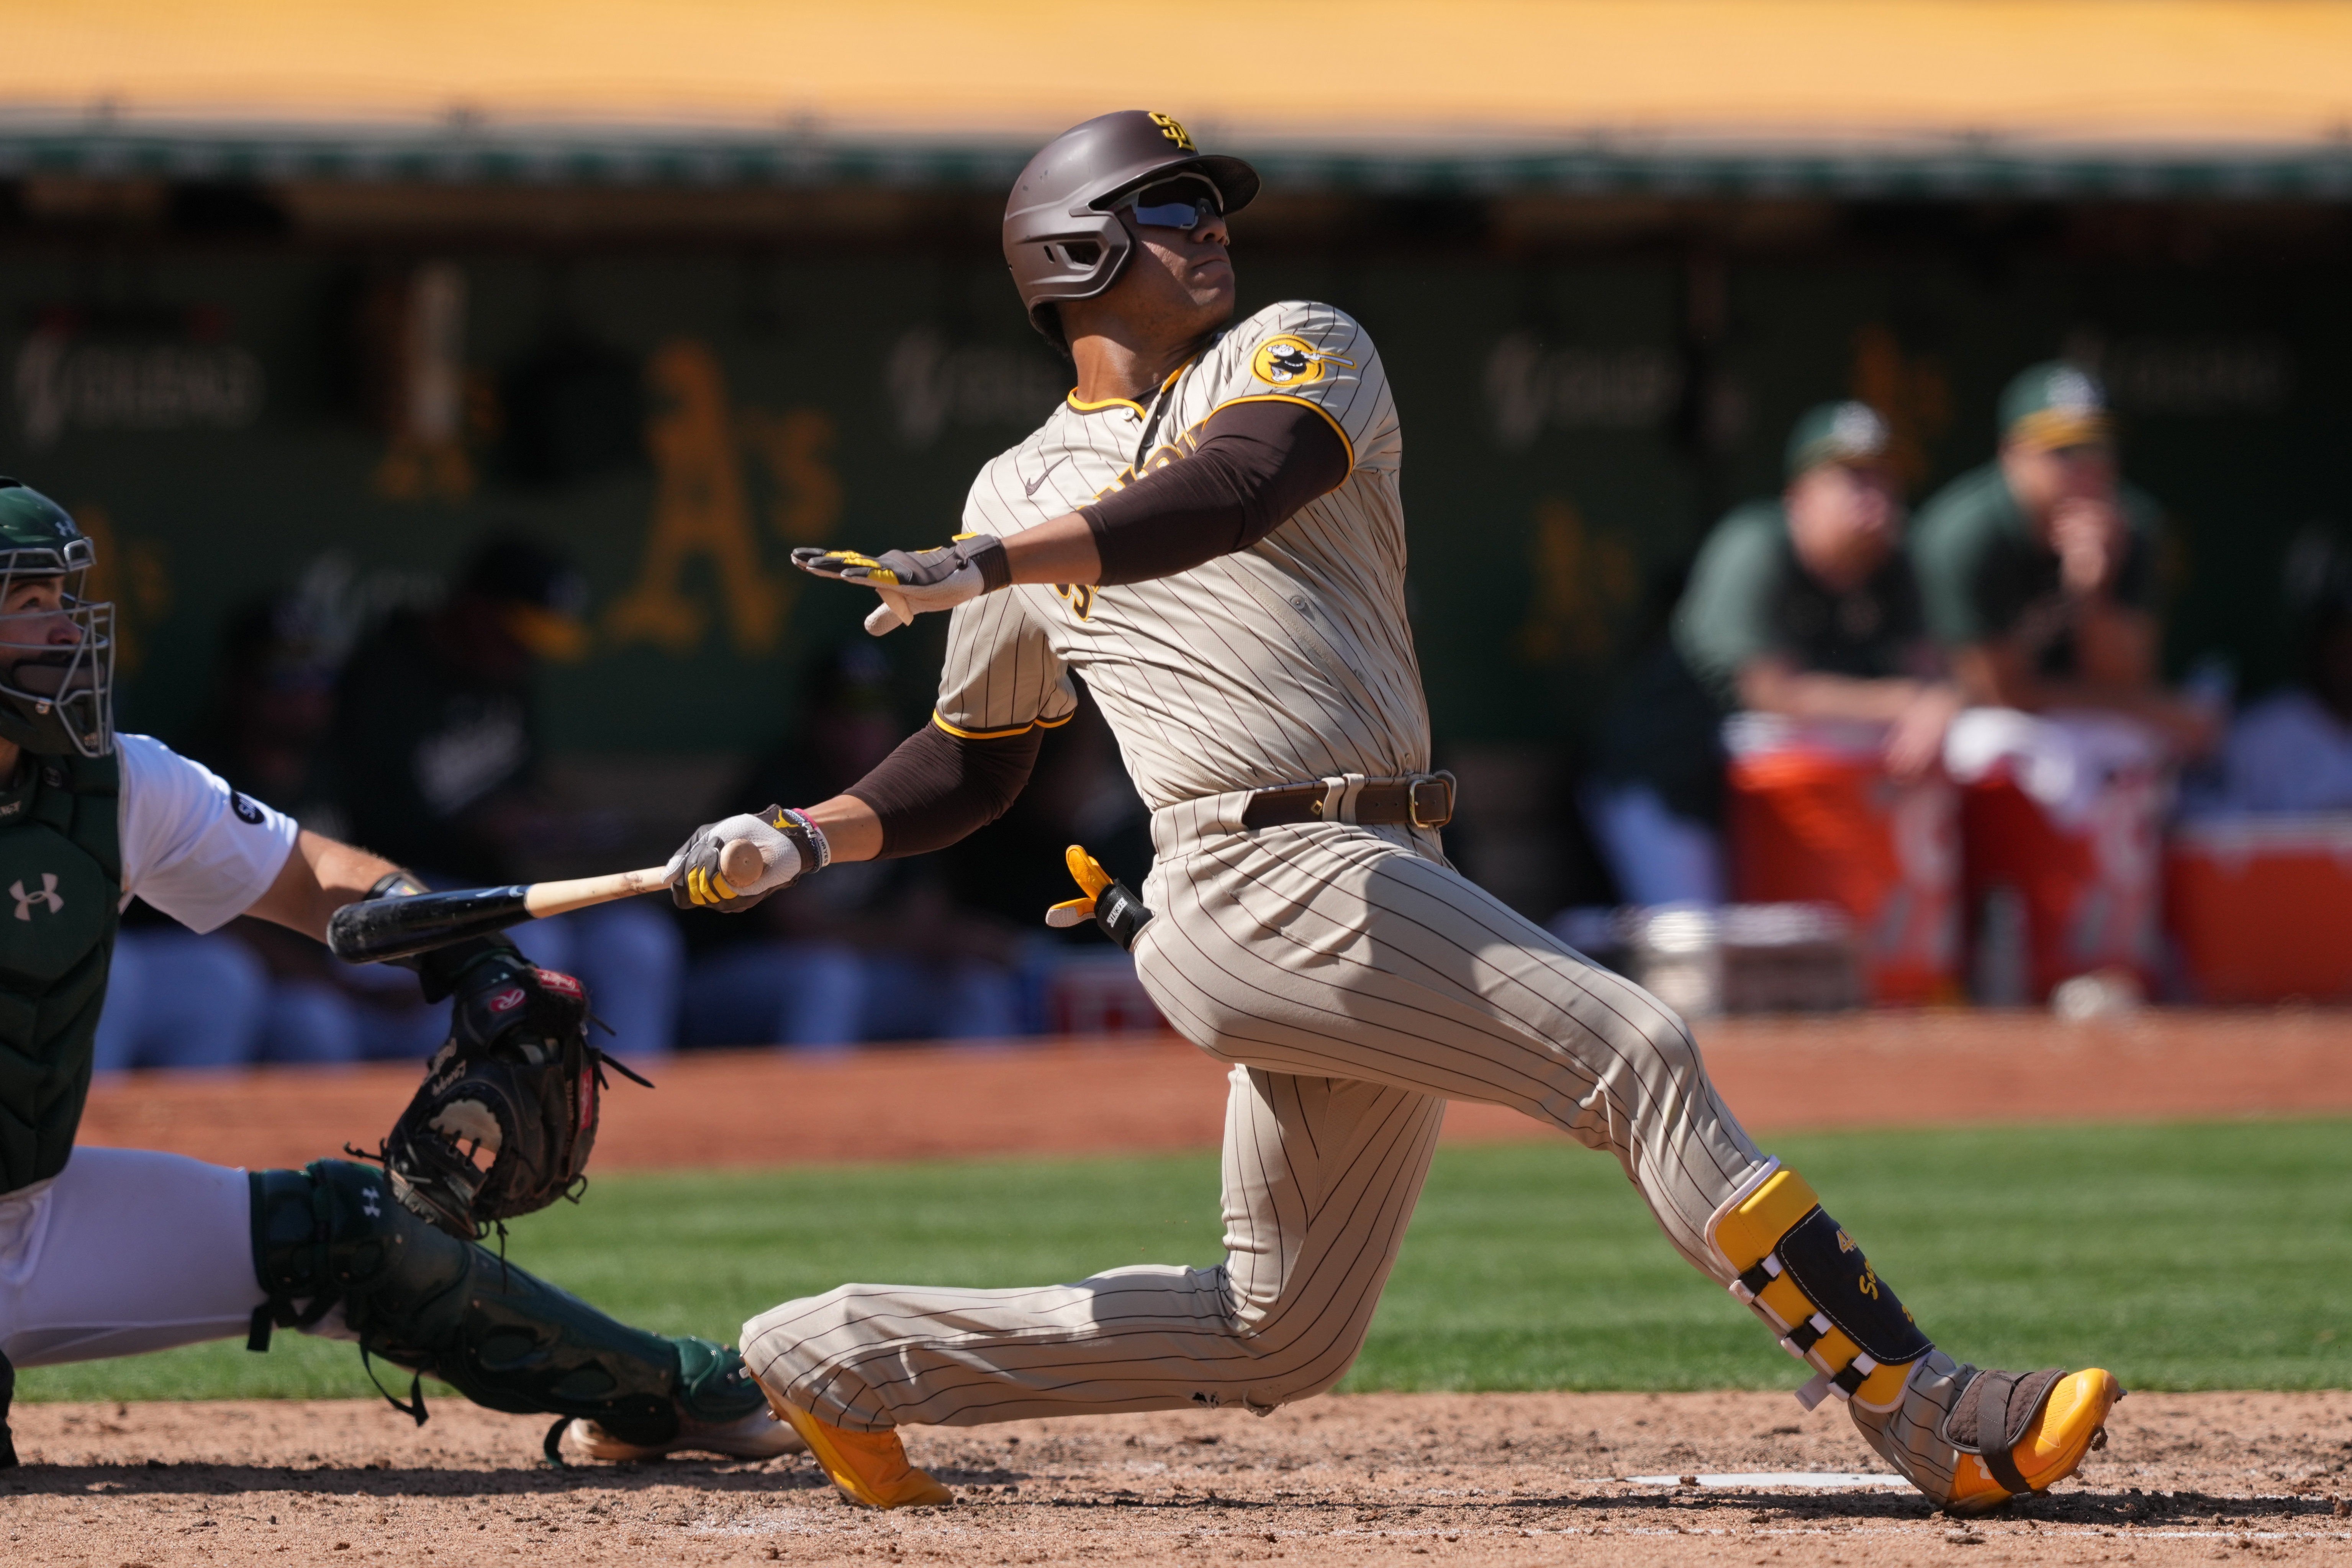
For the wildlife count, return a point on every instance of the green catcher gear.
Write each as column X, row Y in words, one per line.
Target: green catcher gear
column 61, row 883
column 57, row 653
column 331, row 1234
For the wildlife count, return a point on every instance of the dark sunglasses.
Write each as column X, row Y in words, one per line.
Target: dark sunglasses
column 1184, row 203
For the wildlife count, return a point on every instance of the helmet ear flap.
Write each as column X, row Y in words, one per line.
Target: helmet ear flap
column 1080, row 264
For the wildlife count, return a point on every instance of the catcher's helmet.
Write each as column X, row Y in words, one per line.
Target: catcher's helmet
column 1063, row 239
column 56, row 695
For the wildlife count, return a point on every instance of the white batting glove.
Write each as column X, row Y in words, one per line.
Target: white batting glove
column 911, row 582
column 791, row 847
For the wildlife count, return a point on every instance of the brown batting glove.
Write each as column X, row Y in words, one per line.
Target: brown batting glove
column 911, row 582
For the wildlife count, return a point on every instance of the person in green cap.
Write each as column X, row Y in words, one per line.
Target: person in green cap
column 117, row 1251
column 2038, row 569
column 1805, row 605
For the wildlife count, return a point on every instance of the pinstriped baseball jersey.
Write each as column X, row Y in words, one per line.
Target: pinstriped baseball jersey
column 1354, row 981
column 1290, row 659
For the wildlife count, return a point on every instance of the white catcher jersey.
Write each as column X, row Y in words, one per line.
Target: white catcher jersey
column 1286, row 662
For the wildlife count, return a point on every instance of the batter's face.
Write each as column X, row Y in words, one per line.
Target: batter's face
column 1178, row 287
column 1844, row 518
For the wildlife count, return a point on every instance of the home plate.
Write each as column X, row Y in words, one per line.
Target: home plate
column 1821, row 1480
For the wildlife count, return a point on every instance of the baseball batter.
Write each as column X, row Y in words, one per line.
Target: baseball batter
column 1210, row 530
column 107, row 1252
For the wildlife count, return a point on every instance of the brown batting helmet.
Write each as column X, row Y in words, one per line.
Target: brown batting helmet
column 1063, row 239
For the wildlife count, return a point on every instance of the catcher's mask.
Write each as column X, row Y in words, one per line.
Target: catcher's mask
column 1064, row 237
column 56, row 648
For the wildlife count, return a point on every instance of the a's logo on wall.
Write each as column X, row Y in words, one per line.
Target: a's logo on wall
column 47, row 895
column 1174, row 131
column 1288, row 361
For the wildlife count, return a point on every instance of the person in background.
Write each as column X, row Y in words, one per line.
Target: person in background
column 2038, row 574
column 436, row 745
column 879, row 953
column 250, row 991
column 266, row 732
column 1805, row 605
column 1802, row 605
column 2039, row 569
column 2291, row 751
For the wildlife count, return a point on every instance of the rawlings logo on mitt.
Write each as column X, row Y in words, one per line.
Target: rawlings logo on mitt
column 506, row 1118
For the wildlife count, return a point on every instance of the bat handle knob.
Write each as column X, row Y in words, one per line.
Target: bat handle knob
column 740, row 864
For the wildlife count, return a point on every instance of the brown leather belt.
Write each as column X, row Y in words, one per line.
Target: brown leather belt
column 1424, row 802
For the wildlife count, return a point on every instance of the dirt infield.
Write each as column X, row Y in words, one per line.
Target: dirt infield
column 1474, row 1478
column 766, row 1108
column 1363, row 1479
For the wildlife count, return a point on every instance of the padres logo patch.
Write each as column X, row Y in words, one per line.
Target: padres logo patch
column 1288, row 361
column 1174, row 131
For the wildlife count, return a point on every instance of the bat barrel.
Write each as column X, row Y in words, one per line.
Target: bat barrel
column 383, row 928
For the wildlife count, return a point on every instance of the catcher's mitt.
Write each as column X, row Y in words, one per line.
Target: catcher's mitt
column 507, row 1115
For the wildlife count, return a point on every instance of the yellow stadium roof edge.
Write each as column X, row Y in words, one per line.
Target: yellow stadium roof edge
column 1867, row 97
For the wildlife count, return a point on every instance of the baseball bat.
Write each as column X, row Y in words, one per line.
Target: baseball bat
column 382, row 928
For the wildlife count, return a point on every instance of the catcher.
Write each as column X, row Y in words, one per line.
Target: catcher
column 107, row 1252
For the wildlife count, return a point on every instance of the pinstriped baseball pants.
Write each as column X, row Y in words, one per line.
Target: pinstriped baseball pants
column 1357, row 983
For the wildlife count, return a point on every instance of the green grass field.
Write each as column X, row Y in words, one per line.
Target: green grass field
column 2192, row 1257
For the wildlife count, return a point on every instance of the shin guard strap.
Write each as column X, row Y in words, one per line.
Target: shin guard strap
column 1989, row 1418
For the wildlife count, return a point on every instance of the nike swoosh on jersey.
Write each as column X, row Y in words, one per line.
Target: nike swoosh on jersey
column 1029, row 487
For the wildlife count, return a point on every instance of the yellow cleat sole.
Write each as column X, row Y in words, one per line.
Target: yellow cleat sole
column 867, row 1468
column 2071, row 1423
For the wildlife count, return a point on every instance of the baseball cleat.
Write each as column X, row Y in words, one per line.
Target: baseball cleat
column 867, row 1468
column 2069, row 1420
column 757, row 1436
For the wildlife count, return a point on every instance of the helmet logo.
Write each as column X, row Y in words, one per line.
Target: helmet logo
column 1286, row 361
column 1174, row 131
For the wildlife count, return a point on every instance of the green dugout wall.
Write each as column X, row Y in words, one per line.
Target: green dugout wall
column 231, row 402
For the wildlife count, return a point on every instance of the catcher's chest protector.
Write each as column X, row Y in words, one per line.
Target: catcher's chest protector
column 61, row 883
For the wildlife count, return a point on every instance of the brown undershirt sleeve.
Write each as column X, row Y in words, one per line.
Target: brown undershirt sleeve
column 936, row 787
column 1257, row 463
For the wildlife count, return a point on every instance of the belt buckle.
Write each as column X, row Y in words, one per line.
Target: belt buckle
column 1443, row 782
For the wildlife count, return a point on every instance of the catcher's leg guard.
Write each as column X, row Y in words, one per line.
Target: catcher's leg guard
column 1806, row 1278
column 331, row 1234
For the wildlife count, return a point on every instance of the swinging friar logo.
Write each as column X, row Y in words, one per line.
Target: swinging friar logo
column 1285, row 361
column 46, row 894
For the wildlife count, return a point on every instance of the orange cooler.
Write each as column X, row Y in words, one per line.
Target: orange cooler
column 2262, row 907
column 1814, row 817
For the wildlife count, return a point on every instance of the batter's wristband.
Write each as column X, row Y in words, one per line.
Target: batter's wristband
column 805, row 836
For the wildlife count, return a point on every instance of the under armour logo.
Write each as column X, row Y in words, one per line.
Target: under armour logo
column 367, row 1203
column 49, row 895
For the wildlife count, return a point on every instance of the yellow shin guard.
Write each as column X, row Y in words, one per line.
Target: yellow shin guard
column 1807, row 1278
